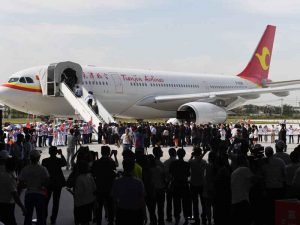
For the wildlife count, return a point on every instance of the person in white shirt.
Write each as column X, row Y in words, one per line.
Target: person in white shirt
column 89, row 98
column 265, row 133
column 126, row 140
column 222, row 132
column 290, row 132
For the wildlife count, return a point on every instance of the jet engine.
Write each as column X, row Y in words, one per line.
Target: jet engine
column 201, row 113
column 281, row 94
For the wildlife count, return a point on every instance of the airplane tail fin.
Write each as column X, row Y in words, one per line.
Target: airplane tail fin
column 257, row 69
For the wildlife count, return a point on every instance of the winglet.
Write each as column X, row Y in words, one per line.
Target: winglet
column 257, row 69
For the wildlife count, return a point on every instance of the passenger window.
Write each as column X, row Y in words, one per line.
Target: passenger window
column 29, row 80
column 22, row 80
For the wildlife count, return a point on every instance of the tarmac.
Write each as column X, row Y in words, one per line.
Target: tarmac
column 65, row 214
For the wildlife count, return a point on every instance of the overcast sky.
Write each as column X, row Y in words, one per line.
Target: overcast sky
column 212, row 36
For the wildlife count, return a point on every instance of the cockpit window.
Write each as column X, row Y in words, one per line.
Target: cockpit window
column 29, row 80
column 22, row 80
column 13, row 80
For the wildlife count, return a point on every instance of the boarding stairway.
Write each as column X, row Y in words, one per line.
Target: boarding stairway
column 84, row 110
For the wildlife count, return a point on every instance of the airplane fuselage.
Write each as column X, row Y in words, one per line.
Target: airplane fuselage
column 122, row 92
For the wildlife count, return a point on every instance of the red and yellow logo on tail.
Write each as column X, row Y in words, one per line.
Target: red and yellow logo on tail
column 257, row 70
column 262, row 58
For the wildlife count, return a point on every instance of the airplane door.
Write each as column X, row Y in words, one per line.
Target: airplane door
column 117, row 82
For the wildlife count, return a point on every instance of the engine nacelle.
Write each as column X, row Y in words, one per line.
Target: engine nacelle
column 281, row 94
column 203, row 112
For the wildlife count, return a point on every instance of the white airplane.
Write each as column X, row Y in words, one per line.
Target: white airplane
column 143, row 94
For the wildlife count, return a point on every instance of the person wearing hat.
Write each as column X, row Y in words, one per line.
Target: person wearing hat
column 57, row 180
column 34, row 178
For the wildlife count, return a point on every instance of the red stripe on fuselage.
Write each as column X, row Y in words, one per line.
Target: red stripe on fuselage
column 22, row 88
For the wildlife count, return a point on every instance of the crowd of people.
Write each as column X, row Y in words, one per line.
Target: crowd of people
column 237, row 184
column 146, row 134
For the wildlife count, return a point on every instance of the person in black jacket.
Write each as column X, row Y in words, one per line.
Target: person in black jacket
column 104, row 172
column 57, row 180
column 100, row 133
column 180, row 171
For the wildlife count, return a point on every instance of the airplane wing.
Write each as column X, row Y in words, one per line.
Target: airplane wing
column 283, row 83
column 224, row 94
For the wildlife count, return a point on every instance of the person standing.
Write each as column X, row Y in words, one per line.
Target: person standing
column 71, row 143
column 180, row 172
column 57, row 180
column 273, row 134
column 153, row 135
column 95, row 108
column 265, row 133
column 279, row 147
column 159, row 181
column 27, row 148
column 129, row 196
column 90, row 98
column 100, row 133
column 84, row 194
column 274, row 173
column 298, row 134
column 169, row 197
column 34, row 177
column 241, row 181
column 290, row 132
column 290, row 174
column 139, row 138
column 8, row 192
column 50, row 135
column 104, row 172
column 208, row 186
column 282, row 134
column 17, row 152
column 126, row 140
column 198, row 166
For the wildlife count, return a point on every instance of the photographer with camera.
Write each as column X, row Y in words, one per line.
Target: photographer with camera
column 57, row 180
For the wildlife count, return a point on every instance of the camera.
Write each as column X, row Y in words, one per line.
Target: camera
column 114, row 152
column 59, row 151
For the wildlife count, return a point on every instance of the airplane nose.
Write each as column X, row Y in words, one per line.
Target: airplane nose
column 4, row 94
